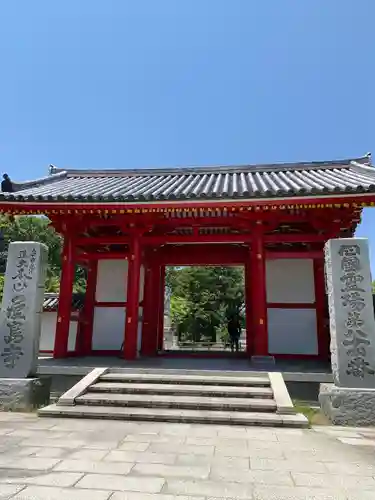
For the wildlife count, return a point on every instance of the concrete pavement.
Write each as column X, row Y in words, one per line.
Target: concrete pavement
column 53, row 459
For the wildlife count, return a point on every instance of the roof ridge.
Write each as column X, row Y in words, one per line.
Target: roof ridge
column 265, row 167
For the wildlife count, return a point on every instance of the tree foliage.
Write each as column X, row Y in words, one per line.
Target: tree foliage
column 203, row 298
column 31, row 228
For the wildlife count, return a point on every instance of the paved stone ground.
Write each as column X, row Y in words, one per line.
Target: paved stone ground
column 55, row 459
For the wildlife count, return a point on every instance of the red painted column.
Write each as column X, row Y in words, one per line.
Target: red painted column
column 321, row 310
column 89, row 308
column 258, row 293
column 132, row 300
column 248, row 310
column 160, row 324
column 65, row 299
column 148, row 345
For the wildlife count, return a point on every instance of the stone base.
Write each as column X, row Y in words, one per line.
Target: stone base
column 348, row 406
column 24, row 394
column 263, row 360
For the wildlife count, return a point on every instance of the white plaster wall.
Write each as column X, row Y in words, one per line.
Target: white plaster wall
column 108, row 328
column 111, row 285
column 48, row 332
column 290, row 281
column 292, row 331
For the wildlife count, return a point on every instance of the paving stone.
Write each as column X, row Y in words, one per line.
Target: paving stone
column 284, row 493
column 203, row 431
column 88, row 455
column 141, row 457
column 153, row 438
column 101, row 445
column 210, row 489
column 25, row 451
column 118, row 483
column 193, row 472
column 262, row 435
column 94, row 467
column 273, row 452
column 360, row 495
column 184, row 449
column 29, row 463
column 343, row 434
column 51, row 443
column 40, row 434
column 151, row 496
column 7, row 490
column 358, row 441
column 59, row 479
column 235, row 475
column 48, row 493
column 134, row 446
column 51, row 452
column 333, row 480
column 239, row 463
column 356, row 469
column 287, row 465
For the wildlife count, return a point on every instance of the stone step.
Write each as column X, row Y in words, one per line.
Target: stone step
column 183, row 390
column 211, row 379
column 183, row 402
column 175, row 415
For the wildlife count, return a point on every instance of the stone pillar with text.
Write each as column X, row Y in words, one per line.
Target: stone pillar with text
column 20, row 324
column 350, row 400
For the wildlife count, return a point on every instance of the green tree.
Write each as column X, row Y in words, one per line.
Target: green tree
column 203, row 298
column 32, row 228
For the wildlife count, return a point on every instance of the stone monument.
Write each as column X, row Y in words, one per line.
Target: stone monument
column 20, row 327
column 350, row 400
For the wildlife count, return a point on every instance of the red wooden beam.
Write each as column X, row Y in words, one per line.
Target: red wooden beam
column 308, row 254
column 195, row 255
column 294, row 238
column 305, row 202
column 102, row 255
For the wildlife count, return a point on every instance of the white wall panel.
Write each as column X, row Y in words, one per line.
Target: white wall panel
column 48, row 332
column 73, row 328
column 111, row 280
column 292, row 331
column 290, row 281
column 109, row 327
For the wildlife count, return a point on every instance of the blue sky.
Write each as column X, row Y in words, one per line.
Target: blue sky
column 120, row 83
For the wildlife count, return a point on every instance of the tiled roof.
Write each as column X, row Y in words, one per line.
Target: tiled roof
column 51, row 302
column 241, row 182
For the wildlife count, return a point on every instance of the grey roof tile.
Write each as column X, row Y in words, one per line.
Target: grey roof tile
column 51, row 302
column 242, row 182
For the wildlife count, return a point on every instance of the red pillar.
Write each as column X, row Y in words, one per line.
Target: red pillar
column 248, row 310
column 160, row 324
column 65, row 299
column 148, row 346
column 89, row 309
column 132, row 300
column 321, row 310
column 258, row 293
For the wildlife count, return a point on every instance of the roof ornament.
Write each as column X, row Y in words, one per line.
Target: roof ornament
column 52, row 169
column 6, row 184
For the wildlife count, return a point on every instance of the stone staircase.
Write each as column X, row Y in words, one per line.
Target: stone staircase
column 253, row 398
